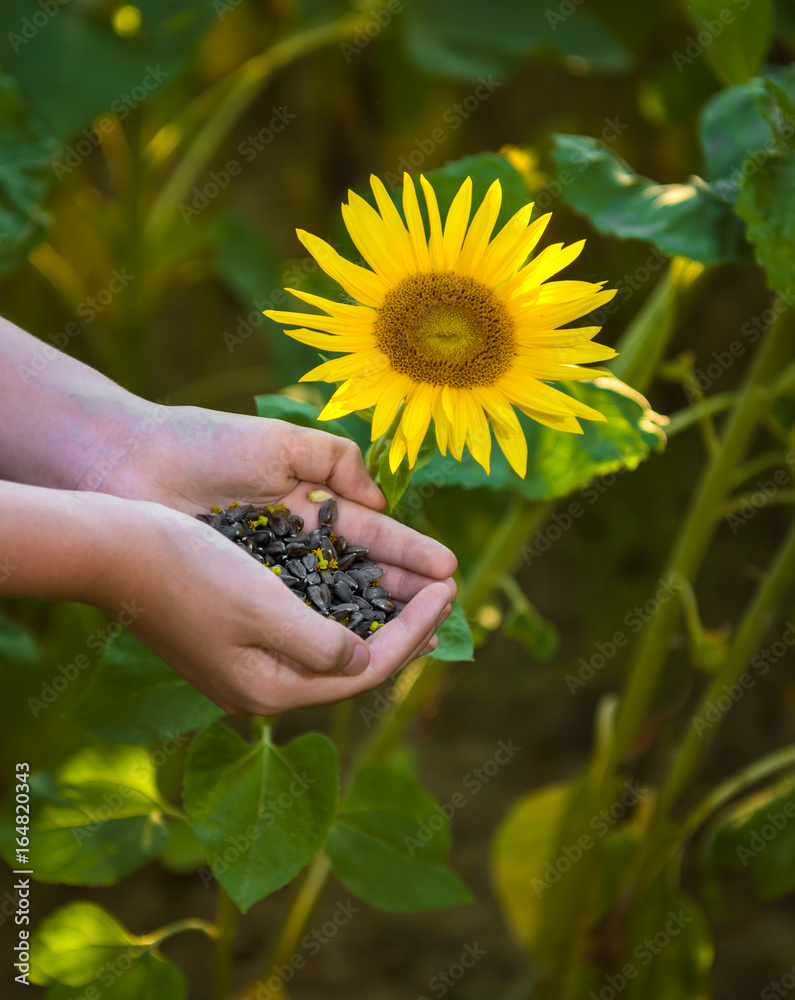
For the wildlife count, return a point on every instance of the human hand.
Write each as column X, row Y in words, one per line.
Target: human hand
column 227, row 625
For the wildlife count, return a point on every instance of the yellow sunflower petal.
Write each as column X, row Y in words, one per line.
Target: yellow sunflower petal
column 417, row 417
column 370, row 363
column 332, row 341
column 529, row 392
column 411, row 209
column 392, row 220
column 547, row 263
column 550, row 315
column 343, row 310
column 436, row 238
column 371, row 237
column 358, row 282
column 477, row 238
column 507, row 429
column 541, row 339
column 393, row 394
column 328, row 324
column 505, row 253
column 557, row 421
column 398, row 450
column 441, row 423
column 478, row 435
column 455, row 226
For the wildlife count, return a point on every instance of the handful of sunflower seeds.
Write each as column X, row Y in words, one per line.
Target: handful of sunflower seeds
column 334, row 578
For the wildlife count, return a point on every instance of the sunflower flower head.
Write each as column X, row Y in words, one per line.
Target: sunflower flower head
column 452, row 325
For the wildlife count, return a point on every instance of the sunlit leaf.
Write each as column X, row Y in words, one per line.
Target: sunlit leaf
column 95, row 818
column 690, row 218
column 82, row 944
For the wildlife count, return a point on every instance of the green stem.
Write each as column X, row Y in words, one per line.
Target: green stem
column 647, row 336
column 418, row 682
column 682, row 419
column 226, row 922
column 756, row 621
column 169, row 930
column 698, row 530
column 240, row 89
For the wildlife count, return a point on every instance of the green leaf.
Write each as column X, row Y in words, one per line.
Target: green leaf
column 688, row 219
column 389, row 844
column 183, row 851
column 768, row 207
column 262, row 812
column 304, row 414
column 50, row 60
column 26, row 150
column 739, row 37
column 455, row 638
column 16, row 643
column 81, row 943
column 559, row 463
column 495, row 38
column 525, row 844
column 757, row 834
column 95, row 818
column 133, row 697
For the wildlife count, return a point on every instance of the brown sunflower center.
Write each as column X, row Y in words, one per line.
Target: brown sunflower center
column 446, row 329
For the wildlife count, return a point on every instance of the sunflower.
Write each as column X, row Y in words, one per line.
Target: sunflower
column 453, row 326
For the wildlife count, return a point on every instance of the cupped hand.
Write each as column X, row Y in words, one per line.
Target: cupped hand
column 220, row 618
column 230, row 627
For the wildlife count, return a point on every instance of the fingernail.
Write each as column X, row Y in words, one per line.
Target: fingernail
column 360, row 661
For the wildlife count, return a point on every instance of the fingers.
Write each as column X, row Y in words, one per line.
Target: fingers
column 389, row 541
column 403, row 584
column 318, row 456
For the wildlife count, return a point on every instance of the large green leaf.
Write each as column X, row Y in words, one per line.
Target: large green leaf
column 73, row 65
column 734, row 37
column 26, row 150
column 559, row 463
column 390, row 842
column 484, row 39
column 133, row 697
column 455, row 638
column 95, row 818
column 757, row 834
column 688, row 219
column 81, row 944
column 262, row 812
column 16, row 643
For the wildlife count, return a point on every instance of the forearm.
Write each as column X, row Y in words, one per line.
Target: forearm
column 59, row 544
column 61, row 422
